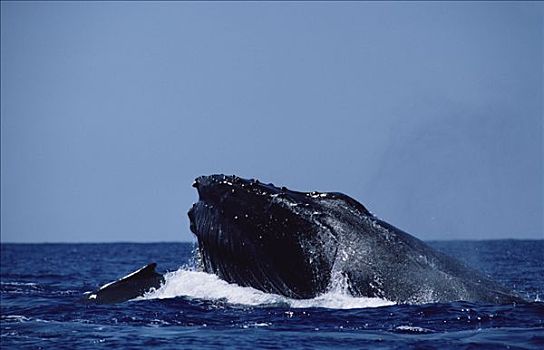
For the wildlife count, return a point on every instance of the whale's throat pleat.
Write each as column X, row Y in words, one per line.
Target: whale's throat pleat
column 267, row 258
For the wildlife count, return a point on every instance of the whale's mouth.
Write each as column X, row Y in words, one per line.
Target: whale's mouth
column 249, row 234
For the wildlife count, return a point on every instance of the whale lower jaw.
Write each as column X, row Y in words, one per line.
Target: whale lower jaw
column 259, row 263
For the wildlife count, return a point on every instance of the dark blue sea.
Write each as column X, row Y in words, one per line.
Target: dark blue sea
column 42, row 287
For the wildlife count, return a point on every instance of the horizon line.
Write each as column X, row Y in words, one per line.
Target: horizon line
column 195, row 241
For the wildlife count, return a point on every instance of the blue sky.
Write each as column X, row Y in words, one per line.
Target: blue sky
column 430, row 114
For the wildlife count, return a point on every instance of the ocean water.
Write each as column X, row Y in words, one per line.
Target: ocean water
column 42, row 287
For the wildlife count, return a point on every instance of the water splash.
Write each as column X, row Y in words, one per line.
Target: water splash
column 202, row 285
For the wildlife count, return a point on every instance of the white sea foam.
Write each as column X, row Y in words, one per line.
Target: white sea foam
column 412, row 329
column 16, row 318
column 201, row 285
column 29, row 284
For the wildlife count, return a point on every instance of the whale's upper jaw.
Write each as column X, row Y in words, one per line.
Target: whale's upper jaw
column 238, row 200
column 235, row 204
column 215, row 187
column 231, row 198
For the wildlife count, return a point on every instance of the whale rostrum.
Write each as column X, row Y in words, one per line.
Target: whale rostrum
column 298, row 243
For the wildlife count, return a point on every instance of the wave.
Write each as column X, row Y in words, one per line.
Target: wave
column 201, row 285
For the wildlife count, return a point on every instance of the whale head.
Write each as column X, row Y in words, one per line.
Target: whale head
column 300, row 244
column 267, row 237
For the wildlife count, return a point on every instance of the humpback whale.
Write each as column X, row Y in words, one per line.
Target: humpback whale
column 297, row 244
column 129, row 287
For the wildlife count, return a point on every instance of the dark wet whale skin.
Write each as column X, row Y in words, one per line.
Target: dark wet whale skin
column 291, row 243
column 134, row 285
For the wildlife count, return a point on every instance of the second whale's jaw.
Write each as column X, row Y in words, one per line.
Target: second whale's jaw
column 133, row 285
column 254, row 235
